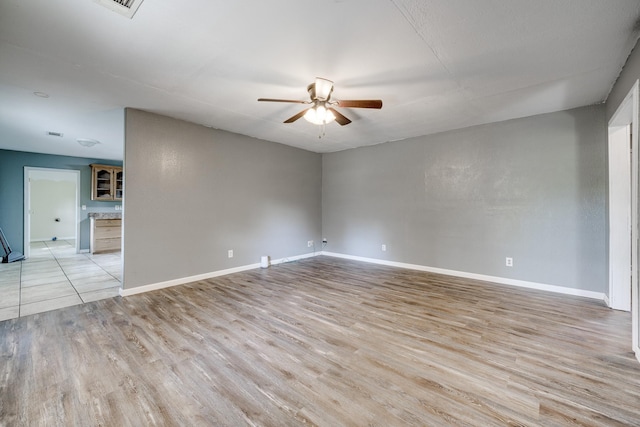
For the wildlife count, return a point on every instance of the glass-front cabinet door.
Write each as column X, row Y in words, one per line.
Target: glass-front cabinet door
column 102, row 183
column 107, row 183
column 119, row 184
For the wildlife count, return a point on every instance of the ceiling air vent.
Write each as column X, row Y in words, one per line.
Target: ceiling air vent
column 123, row 7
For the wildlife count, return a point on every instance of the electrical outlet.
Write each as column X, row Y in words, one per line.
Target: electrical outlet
column 384, row 248
column 230, row 253
column 509, row 262
column 324, row 240
column 310, row 243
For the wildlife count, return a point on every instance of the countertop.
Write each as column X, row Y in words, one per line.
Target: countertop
column 105, row 215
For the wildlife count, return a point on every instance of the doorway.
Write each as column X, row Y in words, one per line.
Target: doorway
column 51, row 205
column 623, row 210
column 620, row 241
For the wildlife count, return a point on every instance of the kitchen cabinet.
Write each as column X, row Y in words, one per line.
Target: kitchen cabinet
column 107, row 183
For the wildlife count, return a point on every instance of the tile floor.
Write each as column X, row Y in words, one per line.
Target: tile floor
column 55, row 276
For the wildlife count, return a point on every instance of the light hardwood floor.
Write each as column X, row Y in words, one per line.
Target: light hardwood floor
column 324, row 342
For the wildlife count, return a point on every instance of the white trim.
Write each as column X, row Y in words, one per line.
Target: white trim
column 619, row 217
column 495, row 279
column 26, row 228
column 204, row 276
column 501, row 280
column 606, row 300
column 294, row 258
column 43, row 239
column 183, row 280
column 628, row 112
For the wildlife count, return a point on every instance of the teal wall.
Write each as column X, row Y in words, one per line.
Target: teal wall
column 12, row 164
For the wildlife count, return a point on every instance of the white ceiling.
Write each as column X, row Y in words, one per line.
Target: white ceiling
column 436, row 64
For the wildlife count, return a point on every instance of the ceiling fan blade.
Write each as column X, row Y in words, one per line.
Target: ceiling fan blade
column 361, row 103
column 342, row 120
column 297, row 116
column 283, row 100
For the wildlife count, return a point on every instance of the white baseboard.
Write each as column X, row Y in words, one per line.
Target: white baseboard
column 183, row 280
column 606, row 300
column 49, row 239
column 204, row 276
column 501, row 280
column 495, row 279
column 294, row 258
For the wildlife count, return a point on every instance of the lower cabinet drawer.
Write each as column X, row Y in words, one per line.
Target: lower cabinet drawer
column 105, row 245
column 108, row 223
column 108, row 232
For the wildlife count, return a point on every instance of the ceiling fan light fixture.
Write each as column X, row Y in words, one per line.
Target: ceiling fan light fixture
column 319, row 115
column 85, row 142
column 323, row 88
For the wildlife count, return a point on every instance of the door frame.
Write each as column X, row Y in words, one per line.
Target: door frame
column 27, row 207
column 620, row 240
column 628, row 113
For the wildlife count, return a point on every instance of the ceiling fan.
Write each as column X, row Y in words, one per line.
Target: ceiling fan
column 322, row 109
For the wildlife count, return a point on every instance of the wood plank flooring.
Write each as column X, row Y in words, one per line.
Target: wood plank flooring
column 323, row 342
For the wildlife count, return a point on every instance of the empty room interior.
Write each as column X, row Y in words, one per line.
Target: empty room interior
column 358, row 213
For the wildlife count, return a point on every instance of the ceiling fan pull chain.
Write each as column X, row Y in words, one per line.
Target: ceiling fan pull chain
column 321, row 132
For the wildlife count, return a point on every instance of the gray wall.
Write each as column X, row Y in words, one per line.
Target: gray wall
column 12, row 165
column 192, row 193
column 532, row 189
column 630, row 73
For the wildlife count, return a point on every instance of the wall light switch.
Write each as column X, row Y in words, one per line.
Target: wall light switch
column 84, row 207
column 384, row 248
column 230, row 253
